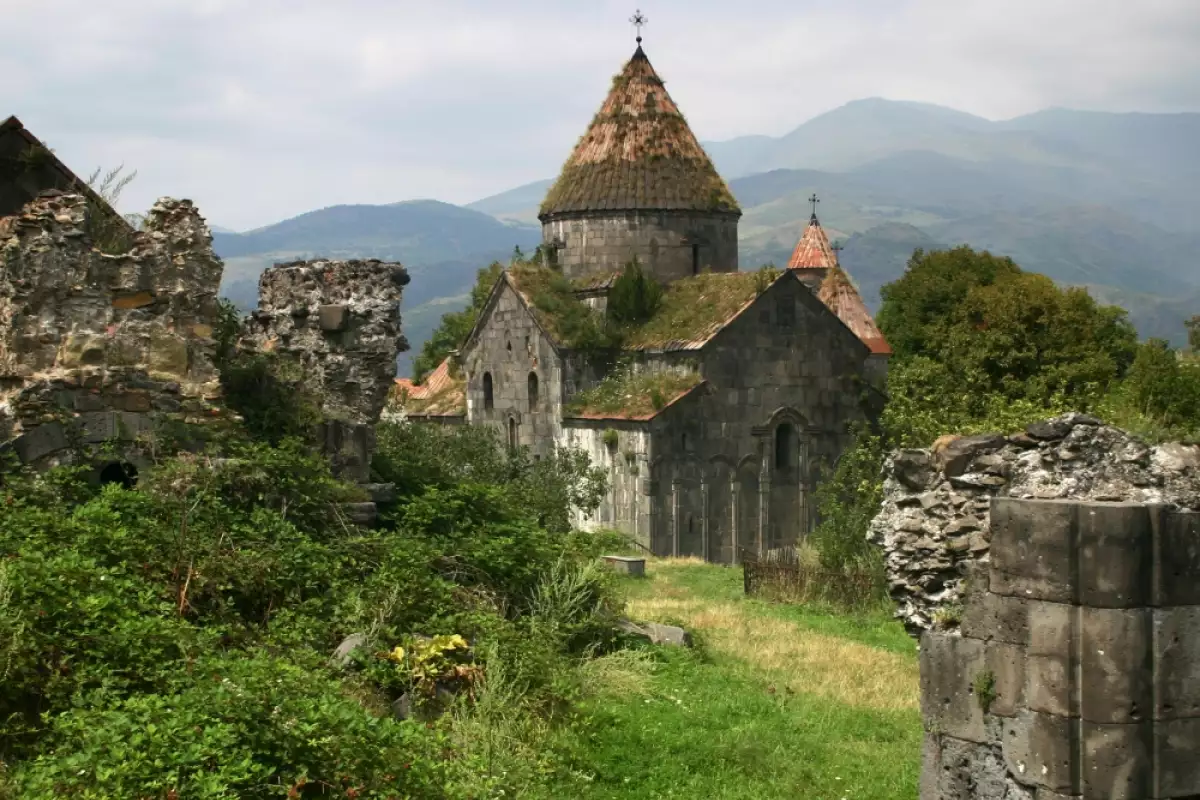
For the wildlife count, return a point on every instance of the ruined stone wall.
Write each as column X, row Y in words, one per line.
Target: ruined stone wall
column 338, row 324
column 1077, row 671
column 596, row 244
column 97, row 347
column 934, row 521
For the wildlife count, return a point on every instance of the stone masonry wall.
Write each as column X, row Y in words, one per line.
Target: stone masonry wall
column 596, row 244
column 338, row 323
column 95, row 347
column 1077, row 671
column 786, row 372
column 508, row 350
column 934, row 522
column 624, row 455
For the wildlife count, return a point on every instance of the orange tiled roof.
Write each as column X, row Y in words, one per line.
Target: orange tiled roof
column 813, row 250
column 840, row 296
column 638, row 153
column 440, row 395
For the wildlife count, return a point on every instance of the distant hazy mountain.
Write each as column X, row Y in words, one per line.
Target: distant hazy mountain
column 519, row 204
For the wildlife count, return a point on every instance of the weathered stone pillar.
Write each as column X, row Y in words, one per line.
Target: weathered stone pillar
column 1077, row 674
column 735, row 515
column 704, row 526
column 675, row 486
column 339, row 323
column 764, row 499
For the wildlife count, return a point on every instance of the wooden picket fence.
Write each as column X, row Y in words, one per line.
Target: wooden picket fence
column 786, row 575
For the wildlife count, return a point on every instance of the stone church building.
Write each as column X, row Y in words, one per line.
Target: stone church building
column 721, row 410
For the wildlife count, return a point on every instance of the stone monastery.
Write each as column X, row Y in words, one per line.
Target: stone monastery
column 719, row 411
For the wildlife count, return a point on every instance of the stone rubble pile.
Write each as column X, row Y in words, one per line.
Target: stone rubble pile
column 934, row 521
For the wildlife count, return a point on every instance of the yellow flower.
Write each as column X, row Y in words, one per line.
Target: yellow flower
column 397, row 654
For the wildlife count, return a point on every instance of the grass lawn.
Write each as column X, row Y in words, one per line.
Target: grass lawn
column 776, row 702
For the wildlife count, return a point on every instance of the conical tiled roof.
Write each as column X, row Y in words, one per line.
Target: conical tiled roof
column 638, row 154
column 839, row 296
column 813, row 250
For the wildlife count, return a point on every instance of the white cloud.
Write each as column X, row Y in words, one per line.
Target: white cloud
column 260, row 109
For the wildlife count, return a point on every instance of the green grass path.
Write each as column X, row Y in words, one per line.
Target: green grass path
column 770, row 705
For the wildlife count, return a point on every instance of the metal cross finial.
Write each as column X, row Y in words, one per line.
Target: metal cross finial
column 814, row 200
column 638, row 19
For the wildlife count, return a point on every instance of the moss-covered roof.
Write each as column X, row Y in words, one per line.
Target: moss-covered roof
column 629, row 395
column 693, row 309
column 441, row 394
column 638, row 153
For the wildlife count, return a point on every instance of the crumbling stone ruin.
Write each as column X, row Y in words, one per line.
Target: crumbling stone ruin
column 338, row 324
column 935, row 519
column 98, row 348
column 1076, row 671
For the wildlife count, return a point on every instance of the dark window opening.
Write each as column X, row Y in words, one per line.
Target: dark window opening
column 512, row 433
column 120, row 473
column 695, row 259
column 683, row 440
column 508, row 346
column 533, row 390
column 690, row 523
column 487, row 391
column 784, row 435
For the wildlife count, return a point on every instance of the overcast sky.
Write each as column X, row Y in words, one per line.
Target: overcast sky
column 263, row 109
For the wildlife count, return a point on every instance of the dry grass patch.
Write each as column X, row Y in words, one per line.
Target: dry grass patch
column 800, row 660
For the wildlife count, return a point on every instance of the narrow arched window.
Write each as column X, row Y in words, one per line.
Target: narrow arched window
column 533, row 391
column 784, row 442
column 695, row 259
column 487, row 391
column 512, row 433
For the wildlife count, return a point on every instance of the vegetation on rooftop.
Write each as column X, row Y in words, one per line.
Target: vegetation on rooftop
column 631, row 392
column 692, row 308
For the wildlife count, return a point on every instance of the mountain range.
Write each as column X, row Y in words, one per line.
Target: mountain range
column 1102, row 200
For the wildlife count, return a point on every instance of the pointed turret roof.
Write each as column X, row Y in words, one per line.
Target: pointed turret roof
column 638, row 154
column 813, row 250
column 839, row 296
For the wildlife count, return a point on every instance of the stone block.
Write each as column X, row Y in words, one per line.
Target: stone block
column 1040, row 749
column 40, row 442
column 949, row 667
column 333, row 317
column 1177, row 662
column 1033, row 552
column 1116, row 554
column 1049, row 794
column 169, row 355
column 1115, row 665
column 81, row 349
column 98, row 426
column 1006, row 663
column 1179, row 559
column 626, row 565
column 1116, row 761
column 1050, row 667
column 132, row 300
column 1176, row 745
